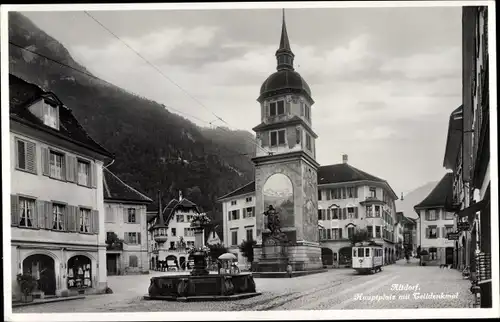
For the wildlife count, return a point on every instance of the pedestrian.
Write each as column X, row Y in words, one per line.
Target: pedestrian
column 289, row 270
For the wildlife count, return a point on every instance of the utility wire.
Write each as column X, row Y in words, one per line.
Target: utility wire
column 234, row 153
column 165, row 76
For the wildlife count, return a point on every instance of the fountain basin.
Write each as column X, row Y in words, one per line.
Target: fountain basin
column 213, row 287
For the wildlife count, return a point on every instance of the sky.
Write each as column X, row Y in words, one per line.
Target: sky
column 384, row 80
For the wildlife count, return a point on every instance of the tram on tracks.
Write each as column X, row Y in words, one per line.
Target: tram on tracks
column 367, row 257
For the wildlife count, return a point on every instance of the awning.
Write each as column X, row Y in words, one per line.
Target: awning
column 472, row 209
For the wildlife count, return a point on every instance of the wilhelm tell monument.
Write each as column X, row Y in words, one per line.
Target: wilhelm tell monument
column 286, row 173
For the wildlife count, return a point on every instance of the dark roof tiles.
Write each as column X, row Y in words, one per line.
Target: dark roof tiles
column 440, row 194
column 116, row 189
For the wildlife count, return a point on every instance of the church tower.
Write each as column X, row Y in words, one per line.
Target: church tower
column 285, row 165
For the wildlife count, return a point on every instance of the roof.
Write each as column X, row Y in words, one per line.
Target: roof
column 23, row 94
column 454, row 138
column 292, row 121
column 116, row 189
column 216, row 226
column 440, row 194
column 248, row 188
column 174, row 205
column 335, row 173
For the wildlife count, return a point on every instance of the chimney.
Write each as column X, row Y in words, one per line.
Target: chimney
column 180, row 195
column 402, row 197
column 344, row 158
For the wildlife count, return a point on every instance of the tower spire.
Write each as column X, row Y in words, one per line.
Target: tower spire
column 284, row 54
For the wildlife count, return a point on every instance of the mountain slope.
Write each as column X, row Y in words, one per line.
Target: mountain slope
column 142, row 134
column 413, row 198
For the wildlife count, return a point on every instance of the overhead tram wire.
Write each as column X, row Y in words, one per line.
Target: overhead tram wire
column 168, row 78
column 234, row 153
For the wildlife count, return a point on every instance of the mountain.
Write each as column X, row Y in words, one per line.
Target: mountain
column 413, row 198
column 144, row 136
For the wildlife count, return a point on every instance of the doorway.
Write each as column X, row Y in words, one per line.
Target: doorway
column 41, row 267
column 112, row 264
column 449, row 256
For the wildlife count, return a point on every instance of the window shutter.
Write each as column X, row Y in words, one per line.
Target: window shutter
column 265, row 138
column 444, row 232
column 125, row 238
column 14, row 210
column 70, row 174
column 45, row 161
column 137, row 216
column 95, row 221
column 139, row 238
column 31, row 157
column 437, row 232
column 343, row 193
column 125, row 215
column 35, row 221
column 291, row 137
column 66, row 218
column 344, row 213
column 355, row 192
column 73, row 212
column 74, row 168
column 356, row 212
column 427, row 232
column 93, row 175
column 48, row 214
column 40, row 209
column 427, row 214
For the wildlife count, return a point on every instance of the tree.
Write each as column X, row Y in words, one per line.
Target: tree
column 216, row 250
column 246, row 248
column 360, row 235
column 113, row 241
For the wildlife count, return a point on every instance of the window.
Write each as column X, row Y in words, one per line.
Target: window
column 370, row 230
column 350, row 192
column 350, row 213
column 188, row 232
column 319, row 194
column 277, row 108
column 249, row 212
column 172, row 245
column 83, row 173
column 337, row 233
column 132, row 261
column 248, row 199
column 335, row 214
column 449, row 216
column 433, row 253
column 180, row 218
column 56, row 165
column 373, row 192
column 377, row 211
column 250, row 234
column 448, row 230
column 189, row 218
column 174, row 232
column 50, row 115
column 369, row 212
column 277, row 137
column 190, row 244
column 432, row 232
column 57, row 215
column 320, row 214
column 354, row 252
column 26, row 212
column 350, row 232
column 361, row 252
column 84, row 220
column 133, row 238
column 234, row 214
column 308, row 142
column 131, row 215
column 367, row 252
column 234, row 238
column 26, row 159
column 431, row 215
column 233, row 203
column 109, row 235
column 328, row 214
column 308, row 112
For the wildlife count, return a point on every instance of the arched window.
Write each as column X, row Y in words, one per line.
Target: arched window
column 132, row 261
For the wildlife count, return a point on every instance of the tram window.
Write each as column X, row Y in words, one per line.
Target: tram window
column 354, row 252
column 367, row 252
column 361, row 252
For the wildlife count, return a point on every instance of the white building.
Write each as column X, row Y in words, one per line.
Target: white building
column 177, row 215
column 348, row 199
column 125, row 210
column 434, row 224
column 57, row 204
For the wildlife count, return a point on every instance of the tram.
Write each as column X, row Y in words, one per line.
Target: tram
column 367, row 258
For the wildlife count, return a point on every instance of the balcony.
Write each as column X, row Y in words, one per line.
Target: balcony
column 160, row 235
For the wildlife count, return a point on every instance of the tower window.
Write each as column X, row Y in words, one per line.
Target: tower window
column 277, row 108
column 308, row 142
column 308, row 112
column 277, row 137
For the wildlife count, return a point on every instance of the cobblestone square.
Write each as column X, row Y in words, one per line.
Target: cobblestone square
column 398, row 286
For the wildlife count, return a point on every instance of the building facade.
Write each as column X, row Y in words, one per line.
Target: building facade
column 170, row 251
column 125, row 219
column 348, row 199
column 468, row 153
column 57, row 206
column 434, row 224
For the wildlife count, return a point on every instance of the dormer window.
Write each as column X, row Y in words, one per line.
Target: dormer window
column 277, row 108
column 50, row 116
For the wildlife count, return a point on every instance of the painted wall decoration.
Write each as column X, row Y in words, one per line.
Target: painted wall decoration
column 278, row 192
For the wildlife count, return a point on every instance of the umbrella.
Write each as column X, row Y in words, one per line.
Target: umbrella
column 228, row 256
